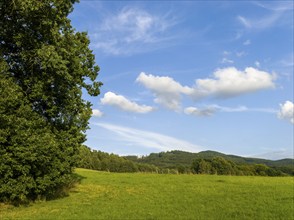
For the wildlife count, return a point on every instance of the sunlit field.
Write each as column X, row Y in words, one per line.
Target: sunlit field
column 103, row 195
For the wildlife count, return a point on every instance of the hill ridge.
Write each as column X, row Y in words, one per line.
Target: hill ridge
column 170, row 159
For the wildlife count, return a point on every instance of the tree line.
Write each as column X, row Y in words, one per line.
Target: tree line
column 221, row 166
column 98, row 160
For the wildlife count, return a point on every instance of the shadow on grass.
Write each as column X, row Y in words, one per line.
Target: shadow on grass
column 68, row 187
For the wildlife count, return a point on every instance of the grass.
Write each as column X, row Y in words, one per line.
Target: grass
column 104, row 195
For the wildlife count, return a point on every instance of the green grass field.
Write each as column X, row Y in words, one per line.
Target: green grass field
column 104, row 195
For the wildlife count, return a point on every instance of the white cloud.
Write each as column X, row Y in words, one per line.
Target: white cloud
column 244, row 21
column 212, row 109
column 275, row 154
column 131, row 30
column 262, row 23
column 97, row 113
column 287, row 111
column 229, row 109
column 226, row 60
column 276, row 5
column 149, row 139
column 205, row 112
column 243, row 109
column 229, row 82
column 123, row 103
column 166, row 90
column 277, row 15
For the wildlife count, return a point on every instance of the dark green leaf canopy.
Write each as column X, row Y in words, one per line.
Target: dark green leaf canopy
column 45, row 66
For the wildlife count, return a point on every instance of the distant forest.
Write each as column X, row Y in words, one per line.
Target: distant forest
column 180, row 162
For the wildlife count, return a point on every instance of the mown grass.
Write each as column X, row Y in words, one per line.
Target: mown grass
column 104, row 195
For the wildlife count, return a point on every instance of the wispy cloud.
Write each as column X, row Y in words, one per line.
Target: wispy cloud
column 205, row 112
column 262, row 23
column 244, row 21
column 257, row 64
column 275, row 15
column 226, row 60
column 244, row 109
column 276, row 5
column 149, row 139
column 229, row 109
column 210, row 110
column 123, row 103
column 288, row 61
column 133, row 30
column 241, row 54
column 277, row 154
column 247, row 42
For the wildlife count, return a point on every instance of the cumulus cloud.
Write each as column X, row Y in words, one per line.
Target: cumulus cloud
column 166, row 90
column 229, row 82
column 97, row 113
column 287, row 111
column 226, row 82
column 123, row 103
column 149, row 139
column 124, row 33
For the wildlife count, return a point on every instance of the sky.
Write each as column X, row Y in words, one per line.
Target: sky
column 191, row 76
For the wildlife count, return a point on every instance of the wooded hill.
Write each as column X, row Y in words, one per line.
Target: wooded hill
column 212, row 162
column 172, row 159
column 206, row 162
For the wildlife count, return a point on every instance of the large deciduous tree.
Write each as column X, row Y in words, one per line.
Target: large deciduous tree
column 45, row 65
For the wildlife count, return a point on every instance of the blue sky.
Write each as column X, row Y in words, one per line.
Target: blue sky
column 192, row 76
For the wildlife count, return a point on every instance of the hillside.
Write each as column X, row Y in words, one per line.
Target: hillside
column 172, row 159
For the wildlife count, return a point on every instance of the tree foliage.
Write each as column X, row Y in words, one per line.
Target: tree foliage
column 98, row 160
column 211, row 162
column 221, row 166
column 45, row 65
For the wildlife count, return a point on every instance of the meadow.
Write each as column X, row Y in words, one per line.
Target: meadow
column 103, row 195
